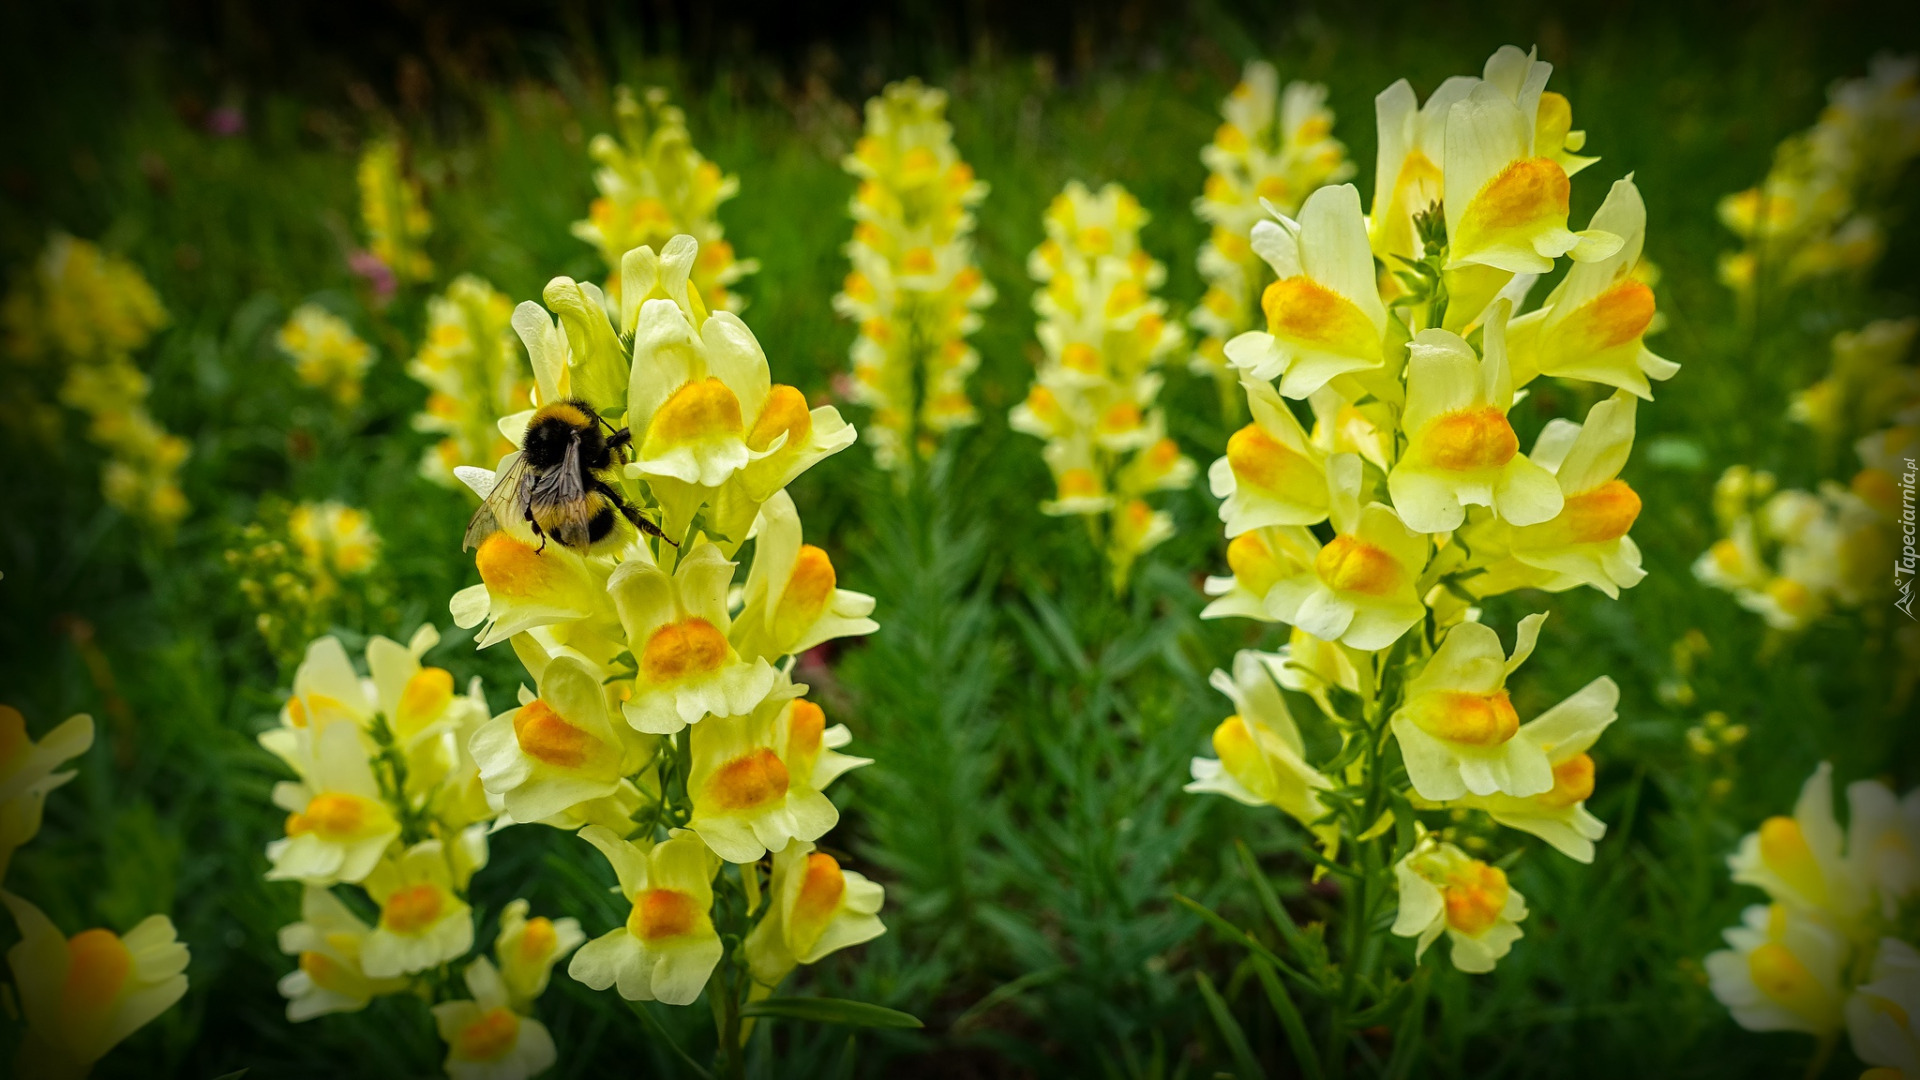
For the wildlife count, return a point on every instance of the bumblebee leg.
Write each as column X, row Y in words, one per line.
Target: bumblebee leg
column 537, row 531
column 632, row 513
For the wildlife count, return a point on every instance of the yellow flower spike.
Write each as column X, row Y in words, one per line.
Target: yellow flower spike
column 816, row 907
column 1443, row 891
column 83, row 995
column 423, row 922
column 471, row 366
column 486, row 1038
column 328, row 979
column 327, row 355
column 392, row 212
column 654, row 185
column 912, row 252
column 667, row 948
column 1781, row 973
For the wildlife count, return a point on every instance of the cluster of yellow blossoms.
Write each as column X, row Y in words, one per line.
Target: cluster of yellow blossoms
column 471, row 367
column 76, row 319
column 1275, row 148
column 395, row 217
column 1796, row 556
column 914, row 289
column 1834, row 949
column 1105, row 336
column 1816, row 213
column 327, row 355
column 389, row 799
column 1373, row 533
column 654, row 186
column 667, row 728
column 297, row 567
column 80, row 995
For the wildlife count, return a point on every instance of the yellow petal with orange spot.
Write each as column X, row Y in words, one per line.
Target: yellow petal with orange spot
column 1304, row 312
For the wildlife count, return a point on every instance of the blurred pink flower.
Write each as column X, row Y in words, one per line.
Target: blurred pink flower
column 379, row 275
column 226, row 121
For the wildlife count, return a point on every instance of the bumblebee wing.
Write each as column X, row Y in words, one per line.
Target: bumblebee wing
column 558, row 499
column 504, row 503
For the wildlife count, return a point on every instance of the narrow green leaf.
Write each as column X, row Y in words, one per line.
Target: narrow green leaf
column 1008, row 991
column 1236, row 1040
column 1406, row 1034
column 1240, row 937
column 1290, row 1020
column 1270, row 903
column 653, row 1027
column 832, row 1011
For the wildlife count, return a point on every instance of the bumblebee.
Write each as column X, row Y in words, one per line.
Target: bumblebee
column 560, row 484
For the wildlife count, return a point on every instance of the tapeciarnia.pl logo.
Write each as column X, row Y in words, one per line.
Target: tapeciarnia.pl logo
column 1903, row 567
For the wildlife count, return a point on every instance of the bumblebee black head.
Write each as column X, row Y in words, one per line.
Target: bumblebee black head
column 554, row 427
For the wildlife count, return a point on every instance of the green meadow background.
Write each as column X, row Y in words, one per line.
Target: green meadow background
column 1031, row 732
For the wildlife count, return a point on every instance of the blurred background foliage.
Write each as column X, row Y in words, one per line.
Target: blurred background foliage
column 1031, row 732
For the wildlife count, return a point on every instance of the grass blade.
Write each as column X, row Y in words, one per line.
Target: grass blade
column 1290, row 1020
column 1244, row 1064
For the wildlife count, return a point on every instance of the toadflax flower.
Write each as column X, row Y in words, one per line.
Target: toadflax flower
column 1587, row 542
column 337, row 823
column 1324, row 314
column 677, row 624
column 327, row 355
column 745, row 800
column 793, row 601
column 328, row 939
column 1443, row 890
column 27, row 774
column 1272, row 473
column 486, row 1039
column 815, row 907
column 424, row 921
column 1564, row 733
column 668, row 947
column 1880, row 1014
column 1461, row 448
column 559, row 749
column 527, row 949
column 1781, row 971
column 1457, row 729
column 1801, row 860
column 83, row 995
column 1260, row 756
column 1360, row 588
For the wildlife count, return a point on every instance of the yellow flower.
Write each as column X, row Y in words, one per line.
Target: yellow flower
column 83, row 995
column 391, row 209
column 1587, row 540
column 327, row 354
column 1324, row 315
column 423, row 920
column 746, row 801
column 327, row 940
column 338, row 826
column 471, row 368
column 335, row 539
column 524, row 584
column 1592, row 326
column 1506, row 206
column 1461, row 448
column 668, row 947
column 1457, row 728
column 1782, row 972
column 677, row 626
column 1880, row 1013
column 1261, row 759
column 527, row 950
column 1359, row 588
column 486, row 1039
column 1564, row 733
column 1442, row 890
column 792, row 600
column 1801, row 860
column 557, row 750
column 1272, row 473
column 815, row 907
column 1883, row 842
column 27, row 774
column 1407, row 179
